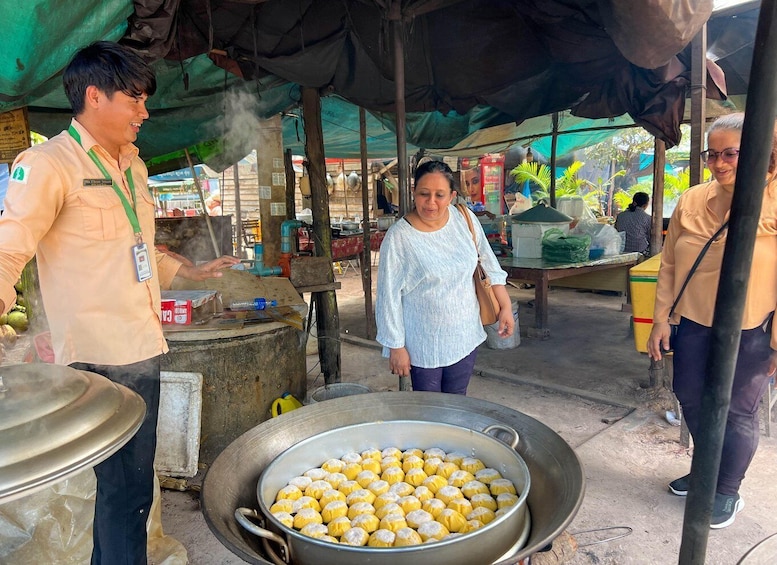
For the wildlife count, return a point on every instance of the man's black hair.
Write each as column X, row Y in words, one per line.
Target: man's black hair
column 111, row 68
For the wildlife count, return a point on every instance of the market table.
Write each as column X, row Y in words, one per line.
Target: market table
column 540, row 272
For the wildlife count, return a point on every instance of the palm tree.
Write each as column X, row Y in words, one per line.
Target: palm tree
column 568, row 184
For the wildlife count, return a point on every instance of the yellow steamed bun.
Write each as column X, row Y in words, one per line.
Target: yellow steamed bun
column 432, row 530
column 484, row 500
column 330, row 496
column 381, row 538
column 384, row 498
column 306, row 516
column 361, row 495
column 283, row 505
column 472, row 465
column 333, row 510
column 367, row 522
column 360, row 508
column 500, row 486
column 452, row 520
column 289, row 492
column 339, row 526
column 487, row 475
column 434, row 506
column 506, row 500
column 407, row 536
column 314, row 530
column 418, row 517
column 415, row 477
column 389, row 508
column 355, row 536
column 393, row 522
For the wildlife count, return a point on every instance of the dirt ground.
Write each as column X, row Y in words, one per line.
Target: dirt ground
column 589, row 384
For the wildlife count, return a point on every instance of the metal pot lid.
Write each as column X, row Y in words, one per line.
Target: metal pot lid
column 541, row 214
column 56, row 421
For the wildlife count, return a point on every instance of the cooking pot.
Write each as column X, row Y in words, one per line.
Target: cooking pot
column 557, row 483
column 481, row 546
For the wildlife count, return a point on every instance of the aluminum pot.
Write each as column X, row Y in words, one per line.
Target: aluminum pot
column 481, row 546
column 557, row 480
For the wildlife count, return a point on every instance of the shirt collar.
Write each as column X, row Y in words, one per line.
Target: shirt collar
column 126, row 155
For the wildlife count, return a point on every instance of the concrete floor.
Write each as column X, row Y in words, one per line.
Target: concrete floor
column 586, row 383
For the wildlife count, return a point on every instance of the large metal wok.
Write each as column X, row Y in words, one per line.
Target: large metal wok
column 484, row 545
column 556, row 474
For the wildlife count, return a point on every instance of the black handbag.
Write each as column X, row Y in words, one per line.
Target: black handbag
column 695, row 265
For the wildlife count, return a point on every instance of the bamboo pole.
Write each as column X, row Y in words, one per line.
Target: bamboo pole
column 238, row 211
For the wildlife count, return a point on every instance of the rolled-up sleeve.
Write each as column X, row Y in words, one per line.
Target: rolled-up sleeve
column 167, row 267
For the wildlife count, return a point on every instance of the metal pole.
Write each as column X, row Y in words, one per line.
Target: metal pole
column 366, row 259
column 757, row 134
column 553, row 146
column 238, row 212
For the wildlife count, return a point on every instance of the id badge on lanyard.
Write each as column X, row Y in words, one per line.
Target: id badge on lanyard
column 142, row 261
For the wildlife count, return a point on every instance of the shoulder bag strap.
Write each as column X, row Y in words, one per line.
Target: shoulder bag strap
column 696, row 265
column 463, row 209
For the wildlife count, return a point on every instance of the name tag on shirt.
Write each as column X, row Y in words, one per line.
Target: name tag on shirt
column 142, row 261
column 98, row 182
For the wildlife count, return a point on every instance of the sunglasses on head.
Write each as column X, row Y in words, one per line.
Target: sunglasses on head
column 728, row 155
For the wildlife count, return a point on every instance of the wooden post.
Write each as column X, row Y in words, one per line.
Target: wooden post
column 271, row 180
column 657, row 219
column 291, row 182
column 698, row 103
column 366, row 264
column 395, row 15
column 327, row 316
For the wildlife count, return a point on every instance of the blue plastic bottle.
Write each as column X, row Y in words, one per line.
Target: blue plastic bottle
column 255, row 304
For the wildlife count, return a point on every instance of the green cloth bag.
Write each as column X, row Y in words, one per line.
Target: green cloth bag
column 560, row 248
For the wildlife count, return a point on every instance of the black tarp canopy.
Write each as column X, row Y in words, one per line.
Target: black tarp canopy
column 469, row 64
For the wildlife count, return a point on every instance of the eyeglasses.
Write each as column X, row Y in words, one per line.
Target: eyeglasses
column 729, row 155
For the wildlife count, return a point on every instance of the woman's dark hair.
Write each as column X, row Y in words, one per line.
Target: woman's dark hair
column 434, row 167
column 110, row 67
column 640, row 200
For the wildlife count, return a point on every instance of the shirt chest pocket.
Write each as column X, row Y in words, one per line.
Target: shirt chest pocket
column 102, row 214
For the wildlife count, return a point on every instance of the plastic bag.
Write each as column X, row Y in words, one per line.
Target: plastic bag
column 609, row 239
column 603, row 236
column 521, row 204
column 560, row 248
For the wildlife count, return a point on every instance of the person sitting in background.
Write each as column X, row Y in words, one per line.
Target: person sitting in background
column 636, row 222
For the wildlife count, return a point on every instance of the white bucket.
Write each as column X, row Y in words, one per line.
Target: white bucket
column 337, row 390
column 493, row 339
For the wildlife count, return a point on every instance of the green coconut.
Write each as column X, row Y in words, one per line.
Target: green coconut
column 18, row 321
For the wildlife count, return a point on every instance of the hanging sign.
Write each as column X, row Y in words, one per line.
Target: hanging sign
column 14, row 134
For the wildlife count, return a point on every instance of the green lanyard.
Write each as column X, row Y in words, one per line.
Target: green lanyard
column 129, row 209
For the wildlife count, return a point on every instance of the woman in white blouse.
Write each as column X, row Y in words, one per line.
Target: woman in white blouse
column 427, row 312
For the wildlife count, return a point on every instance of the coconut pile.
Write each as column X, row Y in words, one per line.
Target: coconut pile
column 15, row 321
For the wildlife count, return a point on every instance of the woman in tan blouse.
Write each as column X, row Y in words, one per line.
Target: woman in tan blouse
column 700, row 212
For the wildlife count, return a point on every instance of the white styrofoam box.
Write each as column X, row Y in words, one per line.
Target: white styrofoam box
column 178, row 426
column 527, row 238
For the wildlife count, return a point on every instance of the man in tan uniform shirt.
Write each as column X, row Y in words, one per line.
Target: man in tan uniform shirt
column 81, row 204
